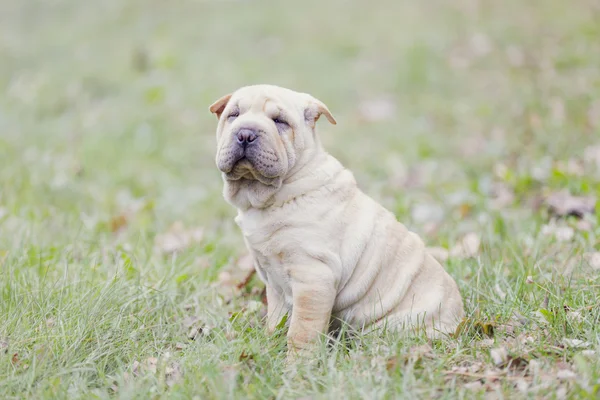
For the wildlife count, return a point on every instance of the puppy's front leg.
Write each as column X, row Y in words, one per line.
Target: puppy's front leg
column 313, row 292
column 276, row 308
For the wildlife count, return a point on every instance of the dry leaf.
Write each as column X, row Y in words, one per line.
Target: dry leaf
column 566, row 374
column 575, row 343
column 117, row 223
column 15, row 359
column 475, row 385
column 593, row 260
column 561, row 233
column 502, row 196
column 584, row 225
column 591, row 155
column 177, row 238
column 563, row 204
column 135, row 368
column 246, row 280
column 468, row 246
column 499, row 356
column 173, row 374
column 150, row 364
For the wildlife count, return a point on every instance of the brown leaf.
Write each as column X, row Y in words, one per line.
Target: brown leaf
column 246, row 280
column 563, row 204
column 15, row 359
column 117, row 223
column 245, row 356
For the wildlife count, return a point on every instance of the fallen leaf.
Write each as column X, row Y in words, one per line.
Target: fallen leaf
column 245, row 356
column 575, row 343
column 179, row 346
column 117, row 223
column 150, row 364
column 584, row 225
column 246, row 280
column 561, row 233
column 591, row 155
column 135, row 368
column 467, row 247
column 593, row 260
column 173, row 374
column 522, row 386
column 502, row 196
column 566, row 374
column 499, row 356
column 15, row 359
column 475, row 385
column 563, row 204
column 177, row 238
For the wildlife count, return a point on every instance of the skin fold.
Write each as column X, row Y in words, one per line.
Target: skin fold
column 327, row 252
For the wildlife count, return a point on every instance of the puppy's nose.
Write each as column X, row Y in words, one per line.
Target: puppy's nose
column 245, row 136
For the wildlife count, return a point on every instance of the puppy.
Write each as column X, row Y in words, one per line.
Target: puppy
column 326, row 251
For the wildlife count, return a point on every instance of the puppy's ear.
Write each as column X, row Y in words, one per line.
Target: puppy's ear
column 315, row 109
column 218, row 106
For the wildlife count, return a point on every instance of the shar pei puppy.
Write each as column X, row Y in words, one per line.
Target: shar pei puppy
column 327, row 253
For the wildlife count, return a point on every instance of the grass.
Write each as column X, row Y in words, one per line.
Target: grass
column 106, row 141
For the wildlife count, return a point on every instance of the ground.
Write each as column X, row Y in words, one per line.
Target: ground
column 475, row 122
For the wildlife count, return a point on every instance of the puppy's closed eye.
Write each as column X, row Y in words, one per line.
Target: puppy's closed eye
column 234, row 114
column 280, row 123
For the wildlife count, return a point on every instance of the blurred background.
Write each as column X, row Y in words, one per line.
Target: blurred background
column 104, row 104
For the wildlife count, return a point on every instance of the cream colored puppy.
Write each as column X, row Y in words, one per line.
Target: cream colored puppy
column 326, row 251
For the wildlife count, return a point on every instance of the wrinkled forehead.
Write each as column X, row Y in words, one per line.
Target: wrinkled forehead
column 267, row 100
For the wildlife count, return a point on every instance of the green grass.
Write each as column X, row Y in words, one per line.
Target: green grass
column 106, row 141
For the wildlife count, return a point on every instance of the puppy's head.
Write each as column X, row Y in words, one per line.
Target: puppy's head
column 263, row 131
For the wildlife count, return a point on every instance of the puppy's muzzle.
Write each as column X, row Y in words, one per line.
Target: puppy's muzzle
column 245, row 137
